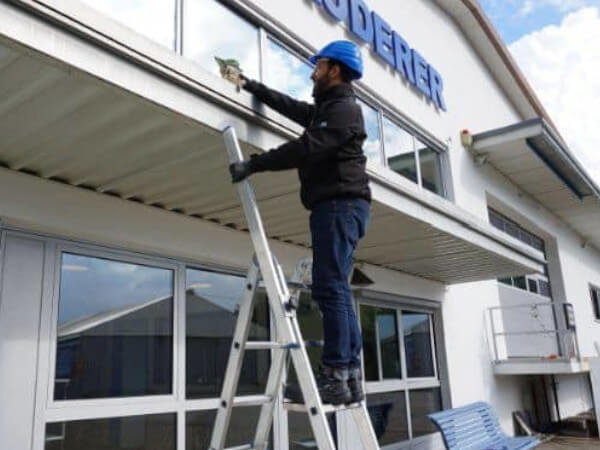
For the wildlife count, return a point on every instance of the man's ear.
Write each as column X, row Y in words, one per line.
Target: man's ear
column 335, row 71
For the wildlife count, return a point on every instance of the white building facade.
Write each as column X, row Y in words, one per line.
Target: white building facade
column 123, row 246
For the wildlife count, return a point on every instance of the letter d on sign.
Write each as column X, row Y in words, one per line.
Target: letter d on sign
column 360, row 20
column 338, row 9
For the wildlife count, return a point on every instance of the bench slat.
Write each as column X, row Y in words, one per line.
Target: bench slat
column 476, row 427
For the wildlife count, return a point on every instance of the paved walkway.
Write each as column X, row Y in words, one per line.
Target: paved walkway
column 564, row 443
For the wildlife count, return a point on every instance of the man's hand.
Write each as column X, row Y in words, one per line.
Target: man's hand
column 240, row 171
column 230, row 70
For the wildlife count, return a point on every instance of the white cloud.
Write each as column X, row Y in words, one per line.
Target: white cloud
column 562, row 63
column 530, row 6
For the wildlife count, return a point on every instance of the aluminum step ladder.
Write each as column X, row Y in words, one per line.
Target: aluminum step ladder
column 290, row 342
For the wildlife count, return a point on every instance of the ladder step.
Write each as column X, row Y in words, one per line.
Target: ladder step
column 241, row 447
column 252, row 400
column 301, row 407
column 257, row 345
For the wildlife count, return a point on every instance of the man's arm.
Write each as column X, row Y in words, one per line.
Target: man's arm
column 299, row 112
column 318, row 142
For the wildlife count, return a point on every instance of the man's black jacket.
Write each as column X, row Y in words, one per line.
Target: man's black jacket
column 328, row 155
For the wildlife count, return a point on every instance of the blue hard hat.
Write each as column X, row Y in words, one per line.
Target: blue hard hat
column 345, row 52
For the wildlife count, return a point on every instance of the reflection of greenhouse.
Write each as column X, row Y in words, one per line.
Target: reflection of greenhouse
column 135, row 346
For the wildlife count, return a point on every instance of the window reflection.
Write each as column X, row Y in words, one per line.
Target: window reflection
column 372, row 146
column 149, row 432
column 311, row 324
column 118, row 340
column 287, row 73
column 211, row 301
column 423, row 402
column 154, row 19
column 388, row 416
column 417, row 342
column 210, row 29
column 300, row 432
column 431, row 171
column 379, row 328
column 199, row 426
column 399, row 150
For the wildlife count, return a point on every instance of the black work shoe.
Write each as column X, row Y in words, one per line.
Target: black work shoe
column 333, row 385
column 355, row 384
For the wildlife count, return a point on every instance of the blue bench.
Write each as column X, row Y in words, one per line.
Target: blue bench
column 476, row 427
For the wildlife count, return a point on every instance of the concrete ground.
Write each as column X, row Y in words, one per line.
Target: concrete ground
column 565, row 443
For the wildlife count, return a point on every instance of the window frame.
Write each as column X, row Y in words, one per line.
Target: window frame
column 443, row 165
column 47, row 410
column 405, row 385
column 117, row 257
column 595, row 297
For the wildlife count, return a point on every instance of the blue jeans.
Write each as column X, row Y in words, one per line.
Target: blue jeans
column 336, row 227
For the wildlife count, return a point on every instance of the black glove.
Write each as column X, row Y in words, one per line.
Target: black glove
column 240, row 171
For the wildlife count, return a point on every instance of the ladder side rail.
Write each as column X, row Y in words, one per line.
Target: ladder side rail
column 235, row 360
column 310, row 392
column 275, row 289
column 274, row 382
column 365, row 428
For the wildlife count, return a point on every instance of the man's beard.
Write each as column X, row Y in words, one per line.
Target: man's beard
column 320, row 86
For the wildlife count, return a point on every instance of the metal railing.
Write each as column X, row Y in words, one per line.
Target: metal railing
column 540, row 331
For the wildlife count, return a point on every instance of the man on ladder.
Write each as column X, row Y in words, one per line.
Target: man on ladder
column 334, row 187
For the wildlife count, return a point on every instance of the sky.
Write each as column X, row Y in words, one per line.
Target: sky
column 556, row 43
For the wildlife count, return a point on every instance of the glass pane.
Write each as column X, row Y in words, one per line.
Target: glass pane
column 379, row 327
column 417, row 343
column 287, row 73
column 533, row 286
column 211, row 301
column 399, row 150
column 372, row 146
column 388, row 416
column 300, row 432
column 116, row 341
column 507, row 281
column 199, row 426
column 210, row 29
column 367, row 325
column 423, row 402
column 520, row 283
column 154, row 19
column 311, row 323
column 152, row 432
column 431, row 169
column 387, row 327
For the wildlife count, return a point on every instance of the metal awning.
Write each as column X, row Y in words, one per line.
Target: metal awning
column 80, row 128
column 535, row 159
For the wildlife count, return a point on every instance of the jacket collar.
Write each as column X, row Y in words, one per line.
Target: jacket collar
column 339, row 91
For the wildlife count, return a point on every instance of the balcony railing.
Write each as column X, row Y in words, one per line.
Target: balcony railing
column 538, row 331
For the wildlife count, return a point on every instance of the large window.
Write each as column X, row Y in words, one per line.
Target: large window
column 536, row 284
column 154, row 19
column 211, row 302
column 372, row 146
column 595, row 294
column 287, row 72
column 148, row 432
column 116, row 341
column 210, row 29
column 400, row 367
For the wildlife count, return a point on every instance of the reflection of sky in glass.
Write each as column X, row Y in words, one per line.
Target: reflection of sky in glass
column 220, row 289
column 287, row 73
column 210, row 29
column 93, row 286
column 372, row 146
column 415, row 323
column 154, row 19
column 399, row 150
